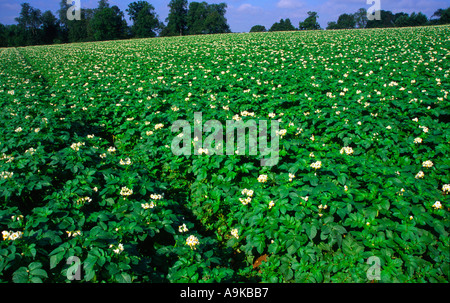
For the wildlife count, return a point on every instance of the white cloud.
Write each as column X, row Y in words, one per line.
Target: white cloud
column 248, row 8
column 290, row 4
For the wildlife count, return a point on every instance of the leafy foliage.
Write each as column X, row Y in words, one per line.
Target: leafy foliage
column 204, row 18
column 145, row 20
column 283, row 25
column 310, row 23
column 258, row 28
column 87, row 170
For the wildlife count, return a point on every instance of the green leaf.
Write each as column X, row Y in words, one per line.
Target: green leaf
column 311, row 231
column 291, row 249
column 35, row 279
column 260, row 246
column 35, row 269
column 123, row 277
column 55, row 259
column 20, row 275
column 341, row 179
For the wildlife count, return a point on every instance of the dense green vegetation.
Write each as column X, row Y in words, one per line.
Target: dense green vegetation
column 87, row 170
column 106, row 22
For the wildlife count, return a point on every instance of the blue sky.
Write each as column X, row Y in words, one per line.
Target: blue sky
column 243, row 14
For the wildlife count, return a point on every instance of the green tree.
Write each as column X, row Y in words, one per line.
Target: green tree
column 402, row 21
column 418, row 19
column 75, row 30
column 16, row 36
column 215, row 22
column 196, row 16
column 145, row 19
column 108, row 23
column 177, row 19
column 63, row 21
column 442, row 16
column 30, row 20
column 80, row 30
column 50, row 27
column 332, row 25
column 283, row 25
column 288, row 25
column 346, row 21
column 387, row 19
column 258, row 28
column 445, row 17
column 204, row 18
column 360, row 18
column 310, row 23
column 3, row 36
column 103, row 4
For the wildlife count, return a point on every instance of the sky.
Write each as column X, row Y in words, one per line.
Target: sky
column 243, row 14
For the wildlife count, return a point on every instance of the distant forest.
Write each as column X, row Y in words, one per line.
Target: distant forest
column 108, row 22
column 360, row 20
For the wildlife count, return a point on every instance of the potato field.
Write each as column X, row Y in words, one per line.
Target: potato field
column 91, row 190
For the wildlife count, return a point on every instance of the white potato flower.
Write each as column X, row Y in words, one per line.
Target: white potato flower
column 192, row 241
column 262, row 178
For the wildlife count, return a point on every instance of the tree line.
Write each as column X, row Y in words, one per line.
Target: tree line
column 360, row 20
column 108, row 22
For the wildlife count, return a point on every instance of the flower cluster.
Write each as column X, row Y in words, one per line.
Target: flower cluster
column 420, row 175
column 117, row 250
column 418, row 140
column 246, row 113
column 156, row 196
column 437, row 205
column 203, row 151
column 262, row 178
column 235, row 233
column 316, row 165
column 125, row 191
column 81, row 201
column 148, row 205
column 17, row 218
column 183, row 228
column 427, row 164
column 73, row 233
column 8, row 158
column 322, row 207
column 446, row 188
column 249, row 194
column 236, row 117
column 158, row 126
column 30, row 151
column 281, row 132
column 271, row 204
column 348, row 150
column 291, row 177
column 76, row 146
column 192, row 241
column 127, row 161
column 6, row 174
column 10, row 235
column 424, row 128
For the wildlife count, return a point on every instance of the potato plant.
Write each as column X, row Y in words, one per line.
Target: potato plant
column 87, row 170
